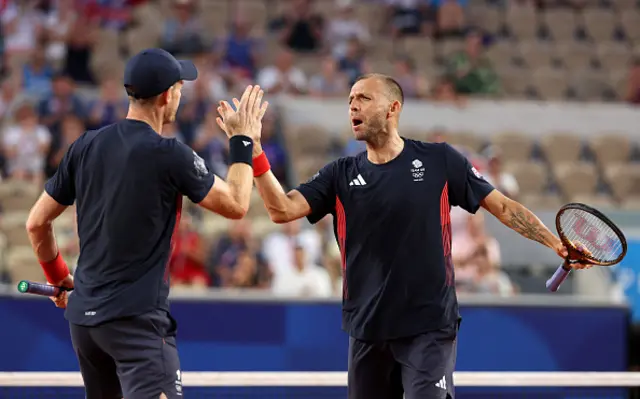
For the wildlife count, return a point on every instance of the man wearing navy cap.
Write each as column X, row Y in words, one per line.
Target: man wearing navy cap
column 127, row 182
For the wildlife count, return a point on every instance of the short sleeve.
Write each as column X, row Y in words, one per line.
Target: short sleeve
column 320, row 193
column 61, row 186
column 11, row 136
column 467, row 187
column 44, row 137
column 188, row 172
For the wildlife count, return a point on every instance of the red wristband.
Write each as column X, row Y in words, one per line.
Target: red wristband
column 261, row 165
column 55, row 270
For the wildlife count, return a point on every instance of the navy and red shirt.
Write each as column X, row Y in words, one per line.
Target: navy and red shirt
column 392, row 224
column 127, row 182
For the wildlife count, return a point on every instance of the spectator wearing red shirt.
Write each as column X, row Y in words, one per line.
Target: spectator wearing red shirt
column 186, row 265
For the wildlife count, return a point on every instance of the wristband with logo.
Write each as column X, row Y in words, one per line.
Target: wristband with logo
column 240, row 149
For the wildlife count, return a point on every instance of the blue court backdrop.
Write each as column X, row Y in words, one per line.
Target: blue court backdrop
column 628, row 274
column 289, row 336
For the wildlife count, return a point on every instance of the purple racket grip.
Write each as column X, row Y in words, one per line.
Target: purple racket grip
column 29, row 287
column 558, row 277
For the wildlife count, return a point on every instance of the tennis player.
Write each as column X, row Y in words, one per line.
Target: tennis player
column 391, row 217
column 127, row 182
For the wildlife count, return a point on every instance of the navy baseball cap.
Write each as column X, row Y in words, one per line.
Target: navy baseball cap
column 154, row 71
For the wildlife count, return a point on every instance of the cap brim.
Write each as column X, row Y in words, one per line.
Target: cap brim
column 188, row 70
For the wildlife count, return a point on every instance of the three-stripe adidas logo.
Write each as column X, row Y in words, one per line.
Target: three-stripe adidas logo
column 358, row 181
column 442, row 384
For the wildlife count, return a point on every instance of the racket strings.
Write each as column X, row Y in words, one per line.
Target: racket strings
column 593, row 233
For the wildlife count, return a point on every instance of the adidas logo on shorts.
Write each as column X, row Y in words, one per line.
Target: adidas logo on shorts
column 442, row 384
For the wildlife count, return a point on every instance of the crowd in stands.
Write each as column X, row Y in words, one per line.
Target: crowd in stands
column 61, row 69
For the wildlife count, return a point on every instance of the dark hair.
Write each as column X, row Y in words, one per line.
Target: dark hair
column 135, row 99
column 393, row 86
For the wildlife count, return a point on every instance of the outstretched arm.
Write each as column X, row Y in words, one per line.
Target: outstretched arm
column 521, row 220
column 282, row 207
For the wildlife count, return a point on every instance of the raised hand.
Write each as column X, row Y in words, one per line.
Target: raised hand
column 247, row 117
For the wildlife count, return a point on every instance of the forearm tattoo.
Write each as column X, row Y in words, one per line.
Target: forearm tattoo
column 528, row 225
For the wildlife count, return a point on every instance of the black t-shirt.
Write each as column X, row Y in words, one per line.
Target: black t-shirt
column 127, row 182
column 393, row 227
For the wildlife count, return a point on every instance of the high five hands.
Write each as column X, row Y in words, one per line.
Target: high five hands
column 246, row 119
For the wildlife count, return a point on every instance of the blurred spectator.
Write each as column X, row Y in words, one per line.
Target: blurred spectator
column 235, row 262
column 245, row 272
column 25, row 145
column 21, row 26
column 413, row 85
column 111, row 14
column 274, row 148
column 471, row 71
column 37, row 73
column 199, row 95
column 501, row 180
column 283, row 77
column 450, row 19
column 306, row 279
column 212, row 145
column 489, row 278
column 72, row 128
column 343, row 26
column 329, row 82
column 110, row 106
column 240, row 52
column 53, row 108
column 81, row 38
column 8, row 94
column 182, row 32
column 633, row 83
column 58, row 24
column 187, row 258
column 278, row 247
column 445, row 92
column 227, row 251
column 300, row 28
column 352, row 64
column 466, row 243
column 411, row 17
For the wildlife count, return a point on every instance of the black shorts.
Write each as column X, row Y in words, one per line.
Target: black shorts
column 134, row 357
column 419, row 367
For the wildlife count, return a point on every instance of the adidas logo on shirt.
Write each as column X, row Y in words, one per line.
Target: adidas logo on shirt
column 358, row 181
column 442, row 384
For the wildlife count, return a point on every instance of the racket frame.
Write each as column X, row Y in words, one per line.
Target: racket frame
column 577, row 256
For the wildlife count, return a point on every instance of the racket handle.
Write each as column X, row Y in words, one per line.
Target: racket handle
column 558, row 277
column 30, row 287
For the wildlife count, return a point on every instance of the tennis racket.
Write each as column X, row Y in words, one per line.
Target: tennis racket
column 29, row 287
column 590, row 237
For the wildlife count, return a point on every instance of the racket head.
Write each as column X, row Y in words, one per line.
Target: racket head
column 580, row 223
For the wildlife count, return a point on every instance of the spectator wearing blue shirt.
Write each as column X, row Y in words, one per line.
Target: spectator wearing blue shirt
column 352, row 64
column 61, row 101
column 273, row 148
column 241, row 52
column 37, row 73
column 110, row 107
column 182, row 32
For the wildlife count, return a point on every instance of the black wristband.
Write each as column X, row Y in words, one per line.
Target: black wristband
column 241, row 150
